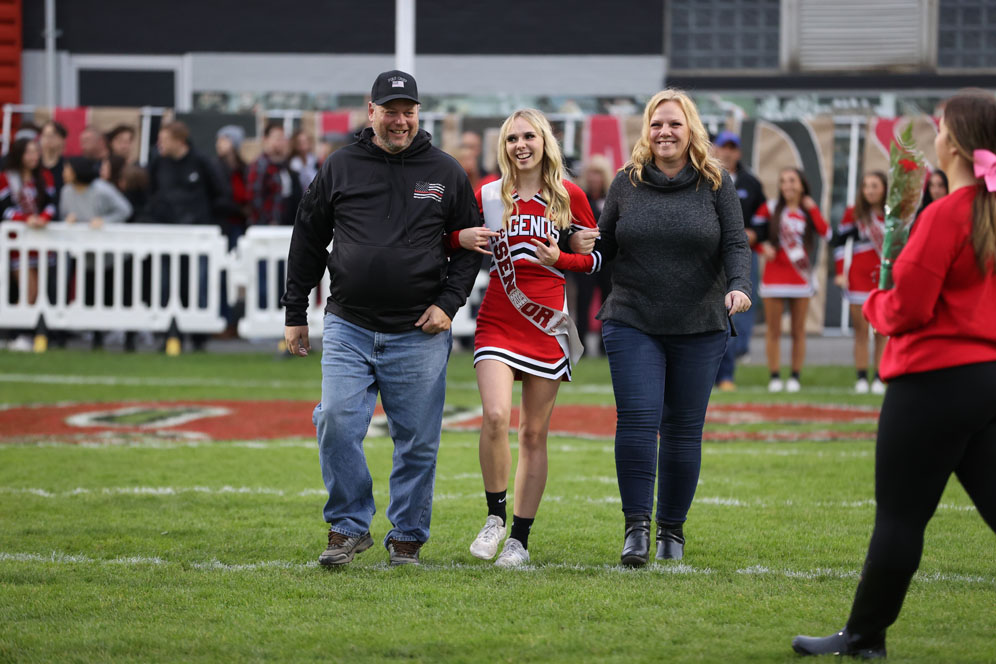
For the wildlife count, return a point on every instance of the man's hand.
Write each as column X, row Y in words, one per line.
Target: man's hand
column 97, row 222
column 583, row 242
column 546, row 254
column 433, row 320
column 476, row 239
column 296, row 338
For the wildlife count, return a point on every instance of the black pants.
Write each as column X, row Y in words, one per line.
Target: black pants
column 932, row 424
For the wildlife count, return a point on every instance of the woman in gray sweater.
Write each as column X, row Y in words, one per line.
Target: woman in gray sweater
column 672, row 222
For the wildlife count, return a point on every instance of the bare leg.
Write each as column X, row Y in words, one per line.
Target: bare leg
column 797, row 311
column 772, row 337
column 538, row 397
column 880, row 340
column 494, row 380
column 860, row 338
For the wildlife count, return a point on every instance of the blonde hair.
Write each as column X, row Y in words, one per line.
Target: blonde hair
column 598, row 163
column 552, row 189
column 970, row 117
column 698, row 143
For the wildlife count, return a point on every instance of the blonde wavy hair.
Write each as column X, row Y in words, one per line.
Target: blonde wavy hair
column 698, row 144
column 552, row 188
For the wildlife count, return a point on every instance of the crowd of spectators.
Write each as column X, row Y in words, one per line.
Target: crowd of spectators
column 182, row 183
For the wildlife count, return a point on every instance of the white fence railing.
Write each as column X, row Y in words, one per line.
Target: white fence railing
column 144, row 277
column 173, row 273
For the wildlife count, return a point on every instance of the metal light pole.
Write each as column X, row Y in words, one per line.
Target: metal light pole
column 404, row 35
column 50, row 35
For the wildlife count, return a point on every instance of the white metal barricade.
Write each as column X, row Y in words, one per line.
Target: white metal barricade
column 119, row 277
column 259, row 265
column 145, row 276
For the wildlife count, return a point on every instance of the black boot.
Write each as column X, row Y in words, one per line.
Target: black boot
column 842, row 643
column 670, row 542
column 636, row 547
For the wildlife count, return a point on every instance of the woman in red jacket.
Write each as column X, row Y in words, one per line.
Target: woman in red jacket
column 939, row 412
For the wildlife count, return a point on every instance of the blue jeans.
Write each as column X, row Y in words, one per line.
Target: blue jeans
column 409, row 371
column 661, row 384
column 740, row 344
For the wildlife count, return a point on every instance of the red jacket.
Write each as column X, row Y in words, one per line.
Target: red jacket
column 940, row 313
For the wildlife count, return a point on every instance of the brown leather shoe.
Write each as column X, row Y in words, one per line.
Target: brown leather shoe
column 403, row 552
column 342, row 548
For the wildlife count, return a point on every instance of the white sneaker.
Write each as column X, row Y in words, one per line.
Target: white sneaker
column 485, row 545
column 878, row 387
column 22, row 344
column 861, row 387
column 792, row 385
column 776, row 385
column 513, row 554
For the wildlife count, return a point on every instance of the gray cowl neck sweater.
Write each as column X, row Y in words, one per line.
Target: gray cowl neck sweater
column 678, row 248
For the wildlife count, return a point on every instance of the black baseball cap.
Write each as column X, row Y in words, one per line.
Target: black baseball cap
column 394, row 84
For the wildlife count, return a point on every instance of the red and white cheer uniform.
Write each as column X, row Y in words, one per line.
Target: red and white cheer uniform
column 789, row 273
column 503, row 333
column 866, row 254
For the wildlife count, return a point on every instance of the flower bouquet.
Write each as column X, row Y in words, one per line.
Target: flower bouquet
column 907, row 171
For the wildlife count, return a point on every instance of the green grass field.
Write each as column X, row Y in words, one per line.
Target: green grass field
column 154, row 550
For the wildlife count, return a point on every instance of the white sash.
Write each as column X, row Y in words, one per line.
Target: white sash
column 551, row 321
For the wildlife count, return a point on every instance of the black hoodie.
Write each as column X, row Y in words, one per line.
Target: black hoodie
column 389, row 214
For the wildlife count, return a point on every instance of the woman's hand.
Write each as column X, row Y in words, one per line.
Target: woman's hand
column 476, row 239
column 35, row 221
column 840, row 280
column 808, row 203
column 737, row 302
column 70, row 218
column 582, row 242
column 97, row 222
column 768, row 251
column 546, row 254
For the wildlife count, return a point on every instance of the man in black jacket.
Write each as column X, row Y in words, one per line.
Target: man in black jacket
column 727, row 149
column 388, row 200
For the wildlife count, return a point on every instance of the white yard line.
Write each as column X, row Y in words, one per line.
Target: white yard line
column 712, row 501
column 669, row 569
column 150, row 381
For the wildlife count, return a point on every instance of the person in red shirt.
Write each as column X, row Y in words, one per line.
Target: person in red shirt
column 523, row 330
column 857, row 254
column 27, row 193
column 788, row 273
column 939, row 412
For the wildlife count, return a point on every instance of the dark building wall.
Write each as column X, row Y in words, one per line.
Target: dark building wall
column 521, row 27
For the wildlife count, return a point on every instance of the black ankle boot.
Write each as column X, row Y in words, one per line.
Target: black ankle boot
column 636, row 547
column 842, row 643
column 670, row 543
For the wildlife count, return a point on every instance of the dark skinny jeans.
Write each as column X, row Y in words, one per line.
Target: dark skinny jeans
column 661, row 384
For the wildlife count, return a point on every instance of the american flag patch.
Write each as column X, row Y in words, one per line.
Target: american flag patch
column 429, row 190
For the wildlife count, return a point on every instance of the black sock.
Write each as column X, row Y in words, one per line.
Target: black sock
column 795, row 374
column 520, row 529
column 877, row 377
column 776, row 375
column 863, row 374
column 496, row 504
